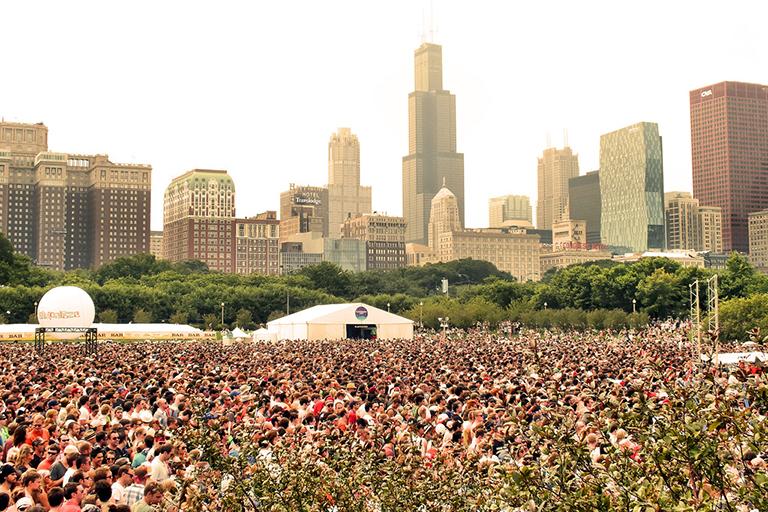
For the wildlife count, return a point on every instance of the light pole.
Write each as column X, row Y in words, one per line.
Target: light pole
column 387, row 307
column 35, row 310
column 222, row 316
column 545, row 305
column 634, row 305
column 287, row 302
column 444, row 324
column 421, row 314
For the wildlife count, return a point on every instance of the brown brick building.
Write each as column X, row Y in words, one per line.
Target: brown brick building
column 384, row 237
column 69, row 211
column 258, row 244
column 198, row 219
column 729, row 146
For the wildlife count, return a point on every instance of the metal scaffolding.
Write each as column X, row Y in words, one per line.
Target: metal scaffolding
column 91, row 347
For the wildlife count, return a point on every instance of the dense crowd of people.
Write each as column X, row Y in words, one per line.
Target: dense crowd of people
column 109, row 432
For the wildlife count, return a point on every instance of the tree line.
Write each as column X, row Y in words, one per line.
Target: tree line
column 600, row 294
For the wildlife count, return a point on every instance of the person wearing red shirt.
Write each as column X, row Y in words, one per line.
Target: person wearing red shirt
column 50, row 458
column 73, row 493
column 37, row 430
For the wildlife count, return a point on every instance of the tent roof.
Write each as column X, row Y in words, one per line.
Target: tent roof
column 239, row 333
column 339, row 313
column 736, row 357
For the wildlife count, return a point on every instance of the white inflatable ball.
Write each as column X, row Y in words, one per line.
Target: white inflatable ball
column 66, row 306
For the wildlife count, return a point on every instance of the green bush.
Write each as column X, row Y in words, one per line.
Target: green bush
column 572, row 318
column 738, row 316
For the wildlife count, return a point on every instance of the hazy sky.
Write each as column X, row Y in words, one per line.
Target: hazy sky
column 257, row 88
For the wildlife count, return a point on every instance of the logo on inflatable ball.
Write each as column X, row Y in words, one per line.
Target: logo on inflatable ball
column 66, row 306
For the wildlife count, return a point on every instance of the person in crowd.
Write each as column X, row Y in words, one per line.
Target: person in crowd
column 56, row 499
column 153, row 496
column 73, row 496
column 122, row 481
column 159, row 469
column 51, row 455
column 113, row 421
column 135, row 491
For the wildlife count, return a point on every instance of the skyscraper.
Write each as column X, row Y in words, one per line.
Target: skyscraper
column 632, row 188
column 505, row 210
column 432, row 156
column 690, row 226
column 729, row 149
column 384, row 237
column 681, row 212
column 198, row 219
column 303, row 209
column 758, row 240
column 584, row 203
column 556, row 167
column 444, row 217
column 70, row 211
column 257, row 242
column 711, row 224
column 346, row 198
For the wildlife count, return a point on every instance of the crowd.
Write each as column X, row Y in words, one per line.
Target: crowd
column 110, row 432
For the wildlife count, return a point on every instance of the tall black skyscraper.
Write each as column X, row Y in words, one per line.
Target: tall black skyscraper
column 432, row 159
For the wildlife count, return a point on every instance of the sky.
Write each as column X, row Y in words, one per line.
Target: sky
column 257, row 88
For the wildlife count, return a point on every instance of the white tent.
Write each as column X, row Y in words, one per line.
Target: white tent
column 729, row 358
column 263, row 335
column 239, row 334
column 338, row 321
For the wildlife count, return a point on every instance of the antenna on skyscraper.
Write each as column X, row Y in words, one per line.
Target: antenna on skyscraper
column 423, row 26
column 549, row 140
column 431, row 21
column 565, row 137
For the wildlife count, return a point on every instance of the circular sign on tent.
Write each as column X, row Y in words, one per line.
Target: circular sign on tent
column 66, row 306
column 361, row 313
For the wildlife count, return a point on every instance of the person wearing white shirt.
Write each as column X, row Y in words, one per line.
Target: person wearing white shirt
column 158, row 468
column 124, row 479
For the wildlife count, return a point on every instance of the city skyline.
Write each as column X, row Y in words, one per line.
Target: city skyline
column 228, row 101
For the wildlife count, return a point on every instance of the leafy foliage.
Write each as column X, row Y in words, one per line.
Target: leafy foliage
column 187, row 292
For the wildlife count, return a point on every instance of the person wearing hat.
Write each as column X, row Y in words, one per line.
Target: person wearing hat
column 24, row 503
column 8, row 478
column 5, row 417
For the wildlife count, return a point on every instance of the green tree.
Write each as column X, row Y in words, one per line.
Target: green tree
column 661, row 295
column 191, row 267
column 740, row 315
column 131, row 266
column 329, row 278
column 738, row 277
column 108, row 316
column 179, row 317
column 142, row 316
column 211, row 321
column 244, row 318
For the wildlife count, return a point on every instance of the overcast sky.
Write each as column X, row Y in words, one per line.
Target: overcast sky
column 257, row 88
